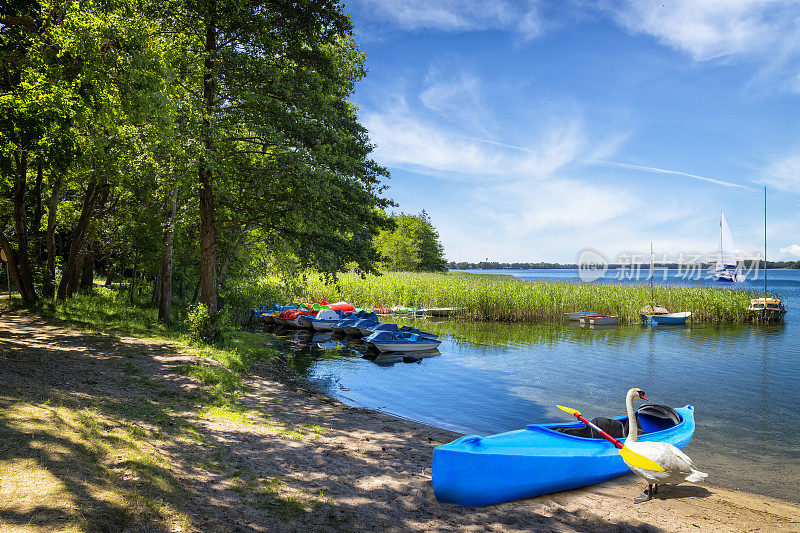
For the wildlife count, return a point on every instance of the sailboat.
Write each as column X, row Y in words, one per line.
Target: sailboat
column 726, row 269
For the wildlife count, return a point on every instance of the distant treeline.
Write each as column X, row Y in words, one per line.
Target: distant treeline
column 495, row 265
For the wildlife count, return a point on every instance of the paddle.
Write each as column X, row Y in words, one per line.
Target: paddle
column 630, row 457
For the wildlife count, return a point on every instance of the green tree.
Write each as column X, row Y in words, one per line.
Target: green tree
column 413, row 245
column 280, row 154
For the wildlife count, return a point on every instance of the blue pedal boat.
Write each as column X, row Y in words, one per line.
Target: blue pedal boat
column 394, row 341
column 477, row 471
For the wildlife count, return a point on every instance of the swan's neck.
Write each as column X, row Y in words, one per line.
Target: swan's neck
column 633, row 425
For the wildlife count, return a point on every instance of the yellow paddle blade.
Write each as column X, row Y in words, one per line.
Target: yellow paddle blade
column 638, row 460
column 569, row 410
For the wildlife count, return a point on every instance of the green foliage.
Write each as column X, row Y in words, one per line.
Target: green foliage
column 133, row 98
column 199, row 325
column 412, row 245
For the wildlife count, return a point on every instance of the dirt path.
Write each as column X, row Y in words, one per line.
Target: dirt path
column 105, row 433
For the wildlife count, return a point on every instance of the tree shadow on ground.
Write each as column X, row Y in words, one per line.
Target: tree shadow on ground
column 102, row 434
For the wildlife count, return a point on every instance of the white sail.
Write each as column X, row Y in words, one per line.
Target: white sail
column 727, row 253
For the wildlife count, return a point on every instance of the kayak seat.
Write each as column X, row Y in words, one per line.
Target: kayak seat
column 613, row 427
column 651, row 417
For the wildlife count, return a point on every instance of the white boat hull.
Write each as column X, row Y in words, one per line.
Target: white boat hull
column 406, row 346
column 599, row 320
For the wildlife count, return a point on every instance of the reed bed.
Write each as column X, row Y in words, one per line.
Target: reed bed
column 502, row 298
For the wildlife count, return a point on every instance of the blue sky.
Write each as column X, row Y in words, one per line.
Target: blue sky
column 530, row 130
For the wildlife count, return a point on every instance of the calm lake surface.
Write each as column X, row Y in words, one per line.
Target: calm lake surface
column 744, row 380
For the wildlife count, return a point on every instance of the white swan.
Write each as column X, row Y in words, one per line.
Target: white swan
column 678, row 467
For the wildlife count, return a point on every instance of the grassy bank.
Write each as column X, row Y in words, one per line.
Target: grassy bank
column 506, row 298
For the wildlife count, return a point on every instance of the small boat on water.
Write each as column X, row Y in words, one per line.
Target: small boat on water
column 767, row 309
column 363, row 326
column 648, row 312
column 542, row 458
column 576, row 316
column 726, row 269
column 347, row 324
column 670, row 319
column 397, row 341
column 394, row 328
column 599, row 320
column 325, row 319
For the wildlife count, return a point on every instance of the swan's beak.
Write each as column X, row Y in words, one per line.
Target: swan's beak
column 642, row 396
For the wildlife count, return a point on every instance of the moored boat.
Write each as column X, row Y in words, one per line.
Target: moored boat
column 599, row 320
column 726, row 269
column 389, row 341
column 394, row 328
column 576, row 316
column 648, row 312
column 670, row 319
column 767, row 309
column 325, row 319
column 543, row 458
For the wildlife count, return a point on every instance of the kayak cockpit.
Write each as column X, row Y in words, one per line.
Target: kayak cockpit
column 651, row 417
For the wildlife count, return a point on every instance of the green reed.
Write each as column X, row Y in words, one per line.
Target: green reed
column 503, row 298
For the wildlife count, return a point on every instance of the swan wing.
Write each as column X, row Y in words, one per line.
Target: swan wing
column 678, row 467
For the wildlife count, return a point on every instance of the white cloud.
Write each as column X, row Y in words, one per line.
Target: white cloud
column 792, row 251
column 712, row 28
column 456, row 15
column 523, row 207
column 783, row 174
column 455, row 94
column 406, row 140
column 763, row 30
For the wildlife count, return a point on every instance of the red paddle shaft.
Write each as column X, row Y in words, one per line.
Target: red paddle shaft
column 608, row 437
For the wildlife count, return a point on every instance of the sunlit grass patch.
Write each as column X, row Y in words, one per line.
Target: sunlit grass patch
column 233, row 413
column 218, row 376
column 71, row 466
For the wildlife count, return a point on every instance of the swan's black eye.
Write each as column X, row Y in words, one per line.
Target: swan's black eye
column 641, row 393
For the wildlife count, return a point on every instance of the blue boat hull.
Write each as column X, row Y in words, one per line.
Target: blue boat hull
column 669, row 321
column 478, row 471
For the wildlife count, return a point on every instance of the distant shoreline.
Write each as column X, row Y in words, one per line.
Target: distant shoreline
column 556, row 266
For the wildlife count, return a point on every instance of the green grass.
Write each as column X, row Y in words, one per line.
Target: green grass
column 108, row 311
column 490, row 297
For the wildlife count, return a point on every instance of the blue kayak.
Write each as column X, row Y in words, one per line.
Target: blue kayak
column 542, row 458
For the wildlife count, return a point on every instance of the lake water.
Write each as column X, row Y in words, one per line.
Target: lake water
column 743, row 380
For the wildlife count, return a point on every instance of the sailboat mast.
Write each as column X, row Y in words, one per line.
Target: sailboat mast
column 765, row 240
column 652, row 301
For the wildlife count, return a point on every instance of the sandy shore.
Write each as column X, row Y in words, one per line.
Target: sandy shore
column 291, row 460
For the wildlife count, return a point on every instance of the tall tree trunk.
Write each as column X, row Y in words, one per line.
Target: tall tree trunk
column 71, row 266
column 208, row 245
column 37, row 211
column 87, row 269
column 48, row 285
column 95, row 197
column 165, row 299
column 26, row 288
